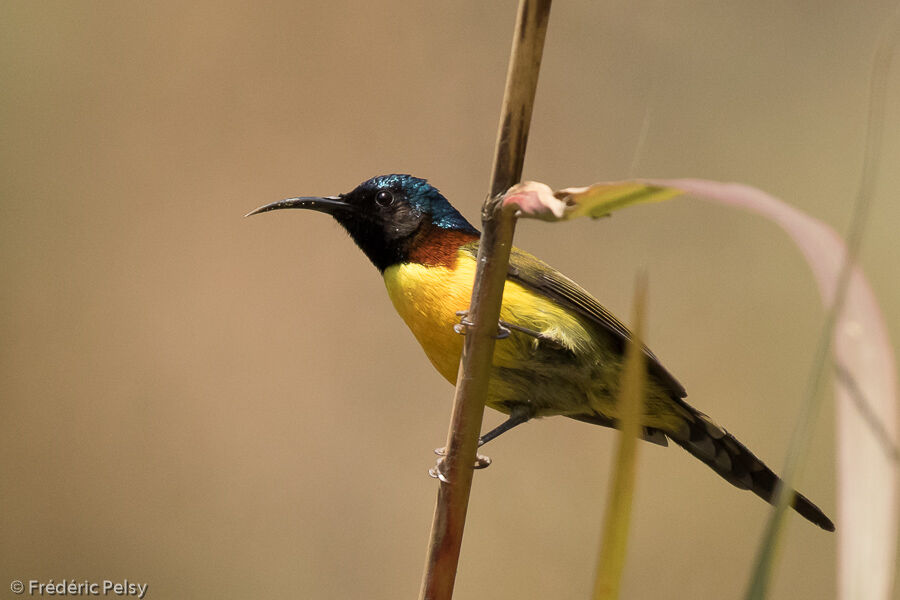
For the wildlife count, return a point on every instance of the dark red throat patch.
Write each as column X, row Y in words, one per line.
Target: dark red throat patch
column 434, row 246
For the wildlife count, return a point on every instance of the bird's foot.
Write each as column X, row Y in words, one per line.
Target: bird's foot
column 481, row 461
column 437, row 471
column 464, row 324
column 503, row 329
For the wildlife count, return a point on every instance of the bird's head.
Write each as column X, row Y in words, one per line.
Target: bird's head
column 385, row 215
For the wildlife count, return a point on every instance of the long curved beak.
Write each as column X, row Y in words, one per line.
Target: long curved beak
column 325, row 204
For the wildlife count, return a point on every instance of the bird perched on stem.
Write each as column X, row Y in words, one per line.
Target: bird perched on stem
column 562, row 353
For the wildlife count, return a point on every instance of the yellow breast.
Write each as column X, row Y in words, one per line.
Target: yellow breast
column 428, row 297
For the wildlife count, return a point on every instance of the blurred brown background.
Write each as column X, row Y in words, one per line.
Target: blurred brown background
column 230, row 408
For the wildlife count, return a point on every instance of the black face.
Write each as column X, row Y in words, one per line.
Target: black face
column 381, row 220
column 385, row 214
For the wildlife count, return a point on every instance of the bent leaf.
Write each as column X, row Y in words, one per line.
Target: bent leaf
column 866, row 390
column 865, row 373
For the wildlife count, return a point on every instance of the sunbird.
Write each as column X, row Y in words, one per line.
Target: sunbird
column 563, row 352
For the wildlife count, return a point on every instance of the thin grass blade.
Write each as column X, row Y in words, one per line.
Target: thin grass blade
column 866, row 390
column 613, row 546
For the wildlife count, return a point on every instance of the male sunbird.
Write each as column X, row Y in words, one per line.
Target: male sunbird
column 563, row 353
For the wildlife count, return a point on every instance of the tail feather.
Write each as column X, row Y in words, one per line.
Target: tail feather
column 735, row 463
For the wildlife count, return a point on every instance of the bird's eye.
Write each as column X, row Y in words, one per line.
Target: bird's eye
column 384, row 198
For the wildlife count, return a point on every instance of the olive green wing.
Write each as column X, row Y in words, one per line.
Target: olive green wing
column 532, row 272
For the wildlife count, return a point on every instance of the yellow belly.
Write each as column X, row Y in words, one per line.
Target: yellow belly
column 576, row 374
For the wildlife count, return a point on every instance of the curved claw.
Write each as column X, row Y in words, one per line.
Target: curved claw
column 464, row 323
column 437, row 473
column 481, row 462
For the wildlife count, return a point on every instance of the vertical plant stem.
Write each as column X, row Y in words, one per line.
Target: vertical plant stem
column 611, row 559
column 484, row 311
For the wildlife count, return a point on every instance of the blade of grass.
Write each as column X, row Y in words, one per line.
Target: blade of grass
column 868, row 481
column 767, row 554
column 865, row 377
column 613, row 546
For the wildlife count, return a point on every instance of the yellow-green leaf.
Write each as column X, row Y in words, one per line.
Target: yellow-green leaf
column 601, row 199
column 537, row 201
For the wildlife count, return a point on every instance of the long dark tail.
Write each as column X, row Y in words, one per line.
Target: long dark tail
column 735, row 463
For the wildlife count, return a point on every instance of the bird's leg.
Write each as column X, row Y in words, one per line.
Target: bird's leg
column 517, row 416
